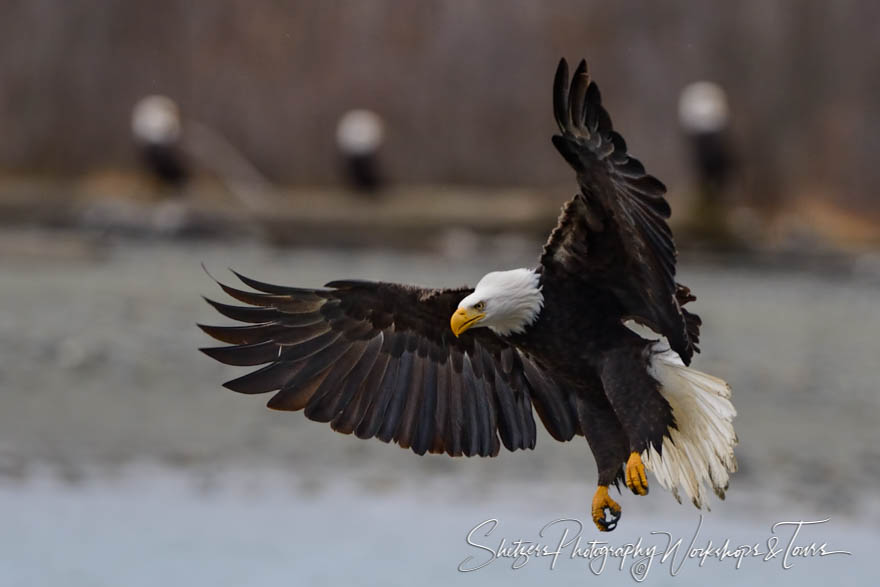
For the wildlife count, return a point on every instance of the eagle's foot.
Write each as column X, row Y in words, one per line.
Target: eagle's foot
column 601, row 502
column 636, row 478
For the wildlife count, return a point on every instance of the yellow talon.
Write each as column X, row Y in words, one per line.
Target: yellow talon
column 601, row 501
column 636, row 479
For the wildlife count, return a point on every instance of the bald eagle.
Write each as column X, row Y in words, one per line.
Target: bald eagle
column 157, row 129
column 595, row 338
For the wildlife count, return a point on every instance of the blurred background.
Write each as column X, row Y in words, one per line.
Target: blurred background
column 299, row 142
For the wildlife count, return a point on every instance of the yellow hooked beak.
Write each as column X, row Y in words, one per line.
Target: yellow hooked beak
column 464, row 318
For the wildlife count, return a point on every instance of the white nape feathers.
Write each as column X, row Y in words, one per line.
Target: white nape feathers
column 512, row 300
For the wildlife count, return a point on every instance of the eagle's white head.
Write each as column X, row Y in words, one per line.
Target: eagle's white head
column 504, row 301
column 155, row 120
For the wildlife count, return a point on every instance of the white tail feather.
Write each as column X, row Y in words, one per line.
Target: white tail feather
column 700, row 449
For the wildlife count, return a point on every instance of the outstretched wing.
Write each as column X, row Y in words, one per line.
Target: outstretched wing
column 614, row 232
column 379, row 360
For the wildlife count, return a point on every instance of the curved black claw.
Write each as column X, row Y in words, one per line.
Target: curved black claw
column 609, row 525
column 603, row 506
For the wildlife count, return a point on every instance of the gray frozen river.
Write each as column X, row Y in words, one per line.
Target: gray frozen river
column 123, row 461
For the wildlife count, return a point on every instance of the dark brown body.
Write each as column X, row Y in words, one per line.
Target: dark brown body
column 588, row 351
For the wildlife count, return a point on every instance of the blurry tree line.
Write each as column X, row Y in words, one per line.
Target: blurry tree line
column 464, row 85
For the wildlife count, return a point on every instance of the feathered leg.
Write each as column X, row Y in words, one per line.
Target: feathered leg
column 609, row 445
column 644, row 414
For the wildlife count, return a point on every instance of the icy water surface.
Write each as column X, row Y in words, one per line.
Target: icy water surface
column 123, row 461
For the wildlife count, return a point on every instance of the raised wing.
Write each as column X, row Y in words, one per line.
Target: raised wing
column 613, row 233
column 379, row 360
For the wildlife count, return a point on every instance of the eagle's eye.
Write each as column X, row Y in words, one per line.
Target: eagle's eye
column 480, row 306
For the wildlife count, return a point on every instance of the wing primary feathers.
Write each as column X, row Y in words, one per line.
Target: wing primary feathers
column 244, row 355
column 484, row 424
column 372, row 421
column 358, row 407
column 241, row 334
column 444, row 372
column 295, row 396
column 270, row 378
column 301, row 293
column 455, row 409
column 395, row 403
column 560, row 96
column 351, row 283
column 508, row 421
column 295, row 303
column 254, row 299
column 577, row 95
column 322, row 405
column 629, row 167
column 492, row 375
column 552, row 407
column 282, row 333
column 527, row 421
column 319, row 361
column 413, row 390
column 290, row 337
column 592, row 108
column 471, row 436
column 424, row 433
column 308, row 348
column 353, row 381
column 245, row 314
